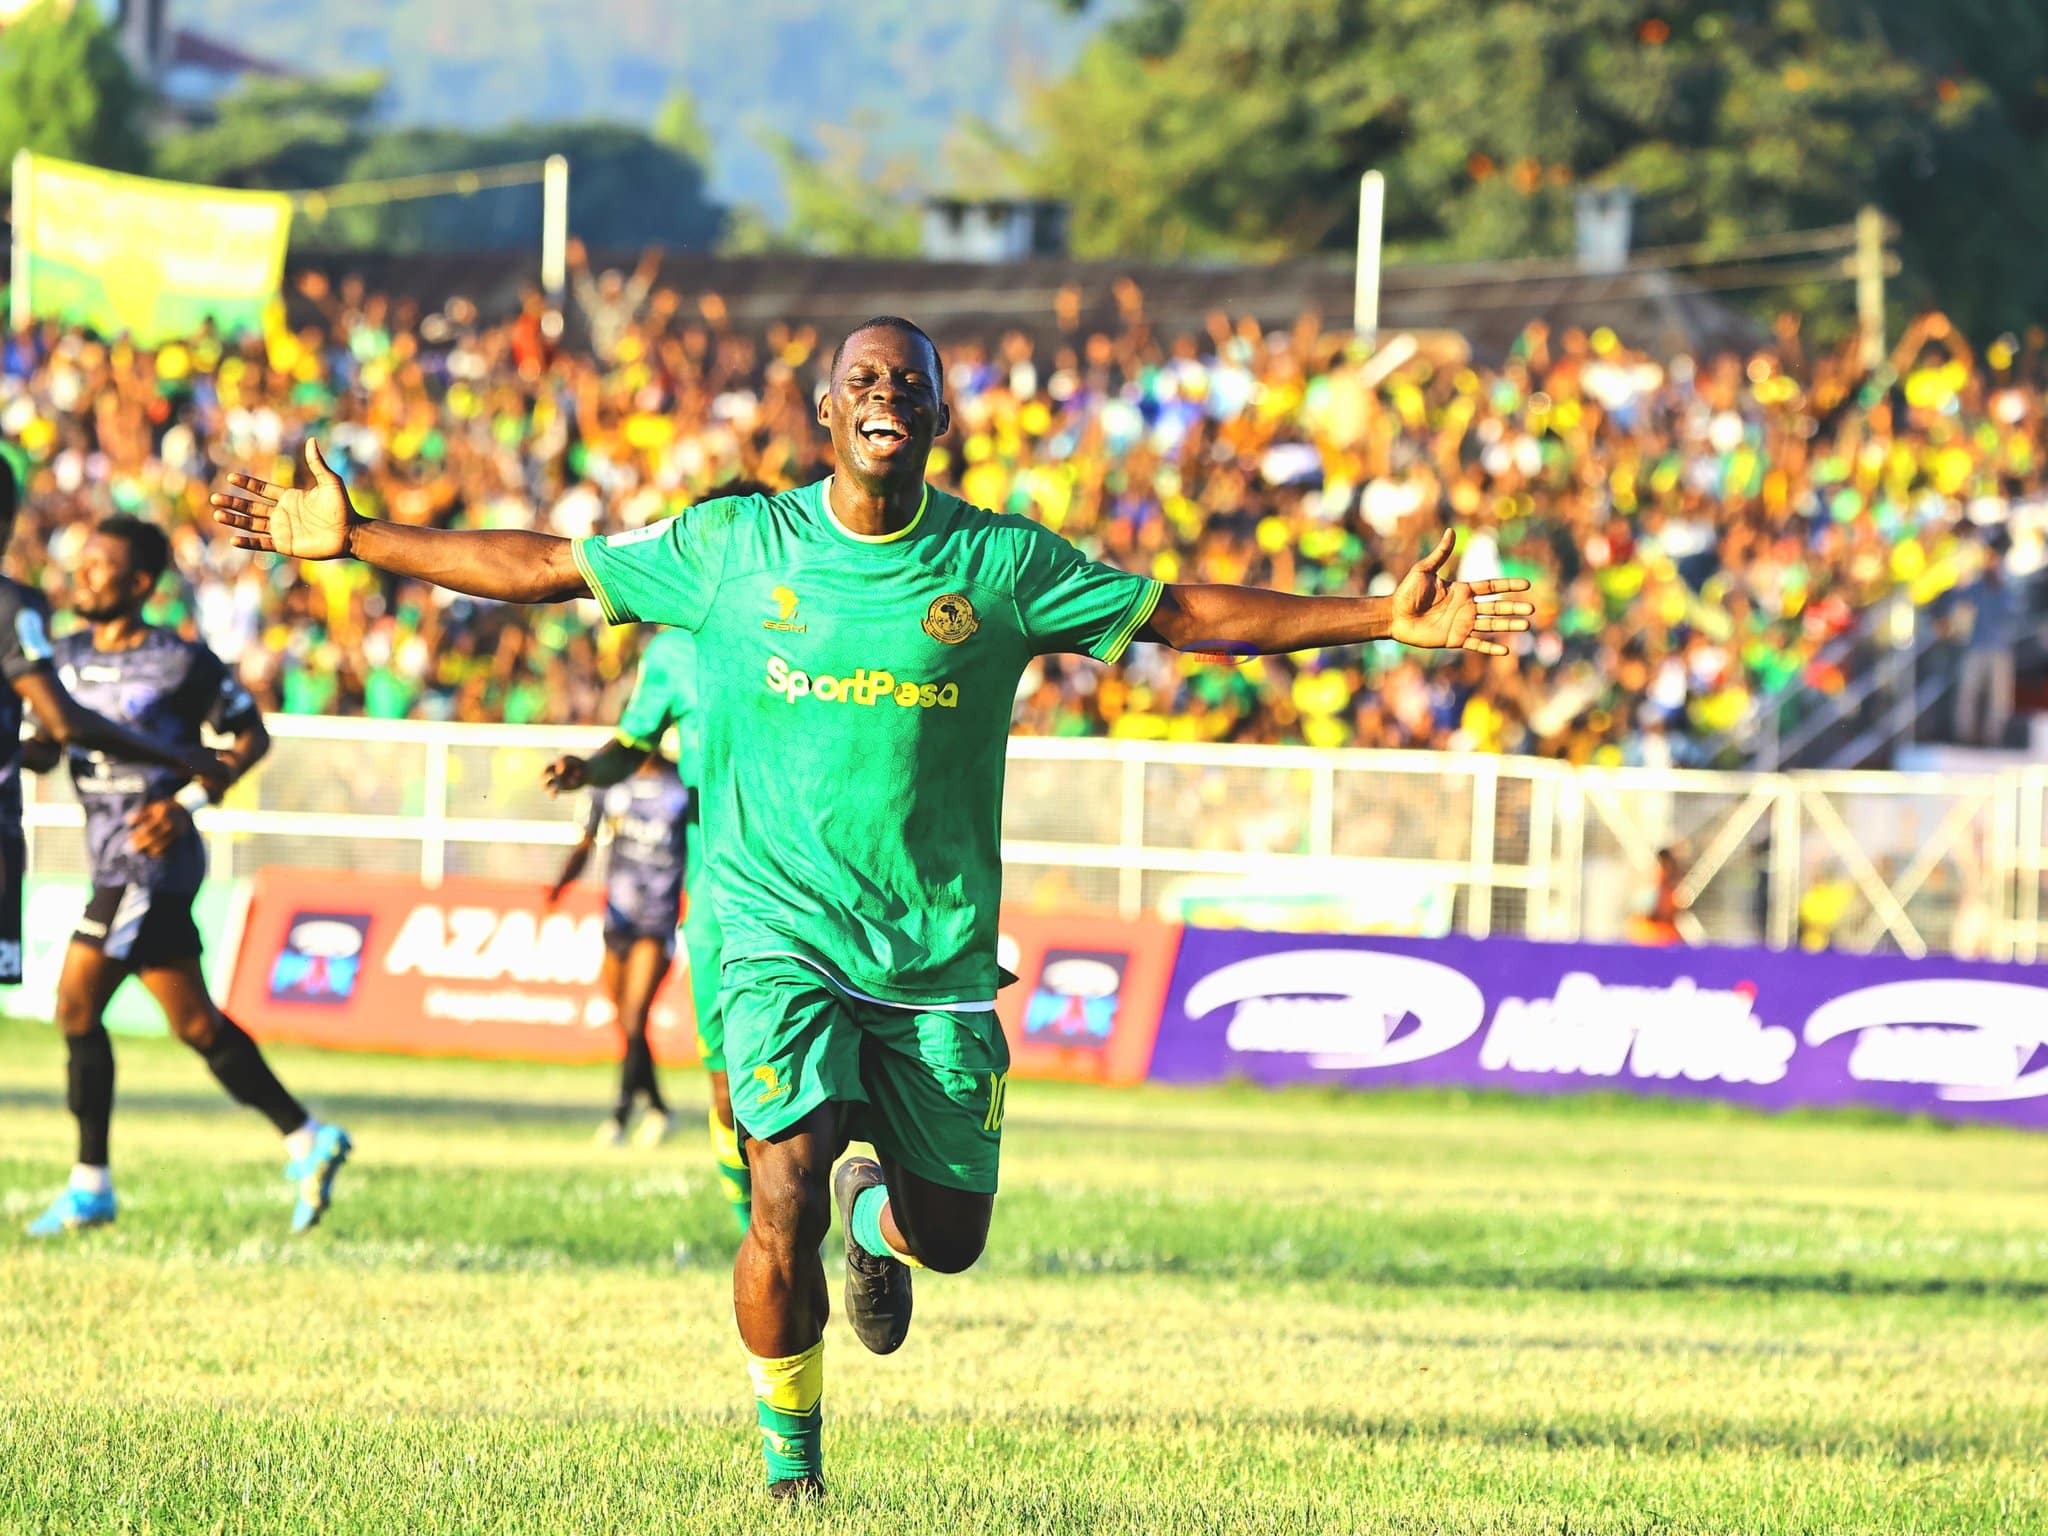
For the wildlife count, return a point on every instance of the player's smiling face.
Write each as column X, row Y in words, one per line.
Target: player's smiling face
column 104, row 583
column 884, row 410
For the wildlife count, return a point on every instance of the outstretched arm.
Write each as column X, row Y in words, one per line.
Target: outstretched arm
column 508, row 564
column 68, row 723
column 1425, row 611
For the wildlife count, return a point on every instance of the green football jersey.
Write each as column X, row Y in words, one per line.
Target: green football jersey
column 664, row 695
column 855, row 698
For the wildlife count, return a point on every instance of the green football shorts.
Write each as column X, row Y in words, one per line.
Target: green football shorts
column 925, row 1087
column 701, row 939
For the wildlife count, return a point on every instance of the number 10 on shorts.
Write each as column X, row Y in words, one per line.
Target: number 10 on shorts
column 998, row 1089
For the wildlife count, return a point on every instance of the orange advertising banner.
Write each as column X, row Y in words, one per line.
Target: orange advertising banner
column 1090, row 990
column 471, row 967
column 485, row 968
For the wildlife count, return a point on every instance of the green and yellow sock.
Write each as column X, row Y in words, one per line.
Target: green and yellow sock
column 733, row 1176
column 867, row 1225
column 789, row 1398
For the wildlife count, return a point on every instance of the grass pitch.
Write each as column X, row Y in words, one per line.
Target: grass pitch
column 1200, row 1312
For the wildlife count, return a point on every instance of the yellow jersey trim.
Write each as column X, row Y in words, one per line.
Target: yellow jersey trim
column 604, row 602
column 825, row 500
column 1126, row 632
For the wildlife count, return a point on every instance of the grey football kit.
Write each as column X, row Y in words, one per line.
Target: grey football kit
column 165, row 688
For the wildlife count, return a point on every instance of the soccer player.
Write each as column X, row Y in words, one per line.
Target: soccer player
column 649, row 810
column 147, row 865
column 25, row 661
column 859, row 644
column 665, row 696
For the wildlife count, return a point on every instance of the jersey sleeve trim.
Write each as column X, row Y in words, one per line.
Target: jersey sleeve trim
column 632, row 743
column 1119, row 641
column 611, row 612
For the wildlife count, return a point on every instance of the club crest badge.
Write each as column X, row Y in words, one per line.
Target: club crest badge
column 950, row 619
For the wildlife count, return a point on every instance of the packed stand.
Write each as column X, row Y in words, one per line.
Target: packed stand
column 1697, row 532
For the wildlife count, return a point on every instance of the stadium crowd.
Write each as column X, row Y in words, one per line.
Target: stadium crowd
column 1697, row 529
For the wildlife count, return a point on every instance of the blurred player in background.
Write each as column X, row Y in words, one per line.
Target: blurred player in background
column 665, row 699
column 859, row 646
column 649, row 814
column 147, row 865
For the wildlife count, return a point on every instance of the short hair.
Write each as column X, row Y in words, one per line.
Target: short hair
column 148, row 550
column 908, row 327
column 10, row 493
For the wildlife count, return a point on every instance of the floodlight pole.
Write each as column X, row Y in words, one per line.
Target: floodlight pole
column 1870, row 286
column 554, row 227
column 1365, row 295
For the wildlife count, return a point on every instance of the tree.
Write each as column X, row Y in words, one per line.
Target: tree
column 625, row 189
column 1196, row 127
column 680, row 126
column 838, row 205
column 66, row 91
column 292, row 133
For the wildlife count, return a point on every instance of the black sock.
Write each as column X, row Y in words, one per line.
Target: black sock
column 90, row 1092
column 240, row 1068
column 638, row 1075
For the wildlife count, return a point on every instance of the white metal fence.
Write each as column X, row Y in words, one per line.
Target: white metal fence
column 1862, row 861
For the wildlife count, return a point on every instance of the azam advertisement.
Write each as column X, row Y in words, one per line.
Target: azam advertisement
column 485, row 968
column 1954, row 1038
column 468, row 968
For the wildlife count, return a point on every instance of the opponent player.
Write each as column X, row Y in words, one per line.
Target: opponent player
column 665, row 696
column 859, row 644
column 147, row 865
column 25, row 653
column 649, row 812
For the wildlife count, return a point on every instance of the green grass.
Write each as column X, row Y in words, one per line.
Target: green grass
column 1212, row 1311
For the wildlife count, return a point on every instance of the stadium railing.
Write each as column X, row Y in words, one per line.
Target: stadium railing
column 1284, row 837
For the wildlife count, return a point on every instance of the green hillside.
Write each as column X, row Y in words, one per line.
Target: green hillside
column 905, row 73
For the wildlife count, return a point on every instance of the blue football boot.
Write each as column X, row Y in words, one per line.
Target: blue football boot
column 74, row 1211
column 314, row 1175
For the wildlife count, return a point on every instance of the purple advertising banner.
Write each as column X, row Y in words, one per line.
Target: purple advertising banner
column 1956, row 1038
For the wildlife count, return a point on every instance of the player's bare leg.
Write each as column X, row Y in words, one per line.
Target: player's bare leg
column 734, row 1178
column 897, row 1221
column 611, row 980
column 640, row 977
column 780, row 1297
column 315, row 1152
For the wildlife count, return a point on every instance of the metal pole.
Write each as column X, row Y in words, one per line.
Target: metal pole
column 1365, row 297
column 1870, row 285
column 554, row 227
column 19, row 312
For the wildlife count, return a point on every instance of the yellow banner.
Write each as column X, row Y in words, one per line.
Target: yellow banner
column 151, row 259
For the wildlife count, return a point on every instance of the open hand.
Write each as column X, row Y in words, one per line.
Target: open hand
column 1456, row 615
column 565, row 774
column 153, row 828
column 306, row 525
